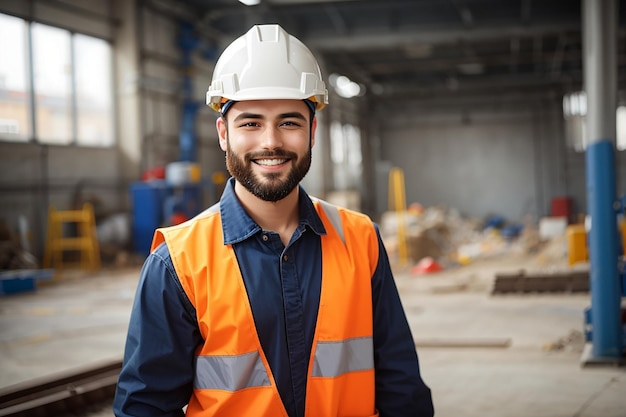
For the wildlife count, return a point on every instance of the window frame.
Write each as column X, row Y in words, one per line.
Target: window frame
column 74, row 111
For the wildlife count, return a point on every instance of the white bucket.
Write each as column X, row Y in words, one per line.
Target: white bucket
column 182, row 172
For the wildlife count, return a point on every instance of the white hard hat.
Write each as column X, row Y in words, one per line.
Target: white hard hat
column 266, row 63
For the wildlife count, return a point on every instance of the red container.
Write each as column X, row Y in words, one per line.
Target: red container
column 562, row 207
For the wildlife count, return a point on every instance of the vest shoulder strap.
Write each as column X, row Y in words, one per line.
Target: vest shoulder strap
column 214, row 208
column 332, row 212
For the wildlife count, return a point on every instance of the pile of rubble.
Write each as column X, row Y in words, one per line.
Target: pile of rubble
column 13, row 253
column 445, row 236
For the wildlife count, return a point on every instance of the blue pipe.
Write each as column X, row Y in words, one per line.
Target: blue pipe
column 604, row 275
column 188, row 41
column 187, row 136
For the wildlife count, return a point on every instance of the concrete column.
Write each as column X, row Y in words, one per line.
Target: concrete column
column 128, row 94
column 599, row 32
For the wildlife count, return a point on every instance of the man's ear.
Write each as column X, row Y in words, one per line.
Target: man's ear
column 220, row 125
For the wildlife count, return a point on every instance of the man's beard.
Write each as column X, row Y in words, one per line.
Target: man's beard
column 271, row 187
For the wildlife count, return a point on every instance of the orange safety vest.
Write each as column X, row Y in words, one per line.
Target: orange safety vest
column 233, row 377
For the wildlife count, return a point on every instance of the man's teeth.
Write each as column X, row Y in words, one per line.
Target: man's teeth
column 270, row 161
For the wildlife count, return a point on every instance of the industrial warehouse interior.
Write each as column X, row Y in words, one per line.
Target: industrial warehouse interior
column 486, row 138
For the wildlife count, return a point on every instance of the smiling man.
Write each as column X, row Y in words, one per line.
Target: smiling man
column 270, row 303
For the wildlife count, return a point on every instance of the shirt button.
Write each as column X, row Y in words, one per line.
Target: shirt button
column 285, row 258
column 265, row 238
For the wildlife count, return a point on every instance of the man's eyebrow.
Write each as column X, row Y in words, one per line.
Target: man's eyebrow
column 292, row 115
column 289, row 115
column 242, row 116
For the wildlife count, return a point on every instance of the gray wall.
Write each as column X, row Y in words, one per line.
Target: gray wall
column 492, row 157
column 478, row 166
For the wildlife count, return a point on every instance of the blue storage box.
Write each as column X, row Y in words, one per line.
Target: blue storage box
column 154, row 202
column 17, row 281
column 147, row 201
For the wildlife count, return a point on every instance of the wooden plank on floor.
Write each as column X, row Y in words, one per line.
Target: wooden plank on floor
column 473, row 342
column 537, row 282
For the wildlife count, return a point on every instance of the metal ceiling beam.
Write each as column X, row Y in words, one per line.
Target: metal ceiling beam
column 501, row 84
column 502, row 59
column 356, row 41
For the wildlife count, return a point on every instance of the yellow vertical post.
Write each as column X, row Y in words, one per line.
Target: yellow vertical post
column 576, row 244
column 397, row 203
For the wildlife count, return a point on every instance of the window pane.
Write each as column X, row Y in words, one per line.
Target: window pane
column 336, row 143
column 620, row 141
column 93, row 91
column 52, row 84
column 14, row 91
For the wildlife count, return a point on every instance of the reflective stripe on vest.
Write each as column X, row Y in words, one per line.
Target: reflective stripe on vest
column 337, row 358
column 231, row 373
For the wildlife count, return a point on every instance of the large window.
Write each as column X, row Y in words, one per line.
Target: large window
column 55, row 86
column 14, row 83
column 575, row 113
column 345, row 152
column 52, row 84
column 94, row 99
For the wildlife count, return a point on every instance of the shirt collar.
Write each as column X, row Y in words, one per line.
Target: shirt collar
column 237, row 225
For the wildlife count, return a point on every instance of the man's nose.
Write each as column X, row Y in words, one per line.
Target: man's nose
column 271, row 138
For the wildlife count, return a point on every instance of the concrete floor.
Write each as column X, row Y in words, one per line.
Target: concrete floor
column 481, row 354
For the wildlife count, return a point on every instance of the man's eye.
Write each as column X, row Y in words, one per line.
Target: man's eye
column 290, row 123
column 249, row 124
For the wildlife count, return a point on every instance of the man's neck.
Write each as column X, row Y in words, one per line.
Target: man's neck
column 281, row 216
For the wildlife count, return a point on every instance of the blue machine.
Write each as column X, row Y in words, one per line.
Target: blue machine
column 155, row 202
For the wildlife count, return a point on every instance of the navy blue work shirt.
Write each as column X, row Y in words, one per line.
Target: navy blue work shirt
column 283, row 286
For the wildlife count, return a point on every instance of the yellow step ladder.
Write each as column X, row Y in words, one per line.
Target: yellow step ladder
column 85, row 242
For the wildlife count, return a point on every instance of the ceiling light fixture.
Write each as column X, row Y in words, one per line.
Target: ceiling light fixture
column 345, row 87
column 250, row 2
